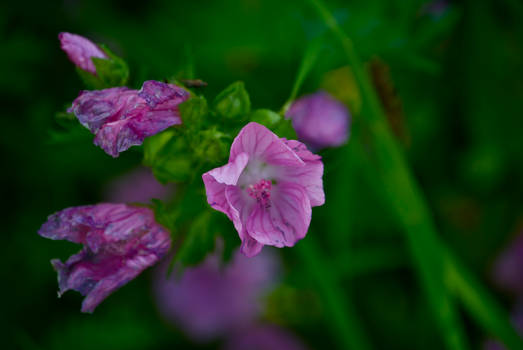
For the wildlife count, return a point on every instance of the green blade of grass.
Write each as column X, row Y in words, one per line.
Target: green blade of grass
column 307, row 62
column 403, row 195
column 478, row 301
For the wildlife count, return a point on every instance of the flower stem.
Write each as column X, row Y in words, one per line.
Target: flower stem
column 307, row 62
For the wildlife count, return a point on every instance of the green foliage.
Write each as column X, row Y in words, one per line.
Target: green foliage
column 193, row 112
column 233, row 103
column 168, row 156
column 198, row 242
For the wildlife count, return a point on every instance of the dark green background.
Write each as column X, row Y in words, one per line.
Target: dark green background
column 460, row 81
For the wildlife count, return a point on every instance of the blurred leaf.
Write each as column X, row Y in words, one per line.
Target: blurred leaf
column 199, row 241
column 274, row 121
column 341, row 84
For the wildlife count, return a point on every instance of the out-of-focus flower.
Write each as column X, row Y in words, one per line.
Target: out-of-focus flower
column 80, row 51
column 436, row 8
column 120, row 241
column 517, row 322
column 320, row 120
column 264, row 338
column 508, row 269
column 121, row 117
column 267, row 188
column 210, row 300
column 138, row 185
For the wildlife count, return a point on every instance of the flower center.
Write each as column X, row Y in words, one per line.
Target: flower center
column 261, row 191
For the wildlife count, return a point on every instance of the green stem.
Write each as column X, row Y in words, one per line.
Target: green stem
column 307, row 62
column 403, row 195
column 344, row 326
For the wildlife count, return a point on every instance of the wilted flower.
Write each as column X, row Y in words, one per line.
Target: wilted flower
column 211, row 300
column 120, row 241
column 80, row 51
column 320, row 120
column 121, row 117
column 508, row 269
column 264, row 338
column 267, row 189
column 139, row 185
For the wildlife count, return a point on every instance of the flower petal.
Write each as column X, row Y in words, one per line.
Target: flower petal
column 80, row 51
column 217, row 180
column 320, row 120
column 310, row 175
column 95, row 108
column 156, row 92
column 259, row 142
column 285, row 221
column 119, row 241
column 122, row 117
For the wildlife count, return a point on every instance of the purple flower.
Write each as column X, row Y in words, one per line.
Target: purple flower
column 264, row 338
column 138, row 185
column 508, row 269
column 121, row 117
column 267, row 189
column 80, row 51
column 320, row 120
column 211, row 300
column 120, row 241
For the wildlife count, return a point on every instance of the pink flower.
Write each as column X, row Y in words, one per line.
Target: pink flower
column 120, row 241
column 267, row 189
column 80, row 51
column 320, row 120
column 121, row 117
column 211, row 300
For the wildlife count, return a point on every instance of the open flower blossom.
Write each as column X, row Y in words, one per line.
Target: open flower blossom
column 210, row 300
column 264, row 338
column 267, row 188
column 508, row 268
column 320, row 120
column 80, row 51
column 119, row 242
column 121, row 117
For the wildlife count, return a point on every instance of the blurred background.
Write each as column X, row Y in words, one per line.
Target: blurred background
column 448, row 74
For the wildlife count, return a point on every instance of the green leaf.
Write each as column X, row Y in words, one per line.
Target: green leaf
column 233, row 102
column 274, row 121
column 266, row 117
column 198, row 242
